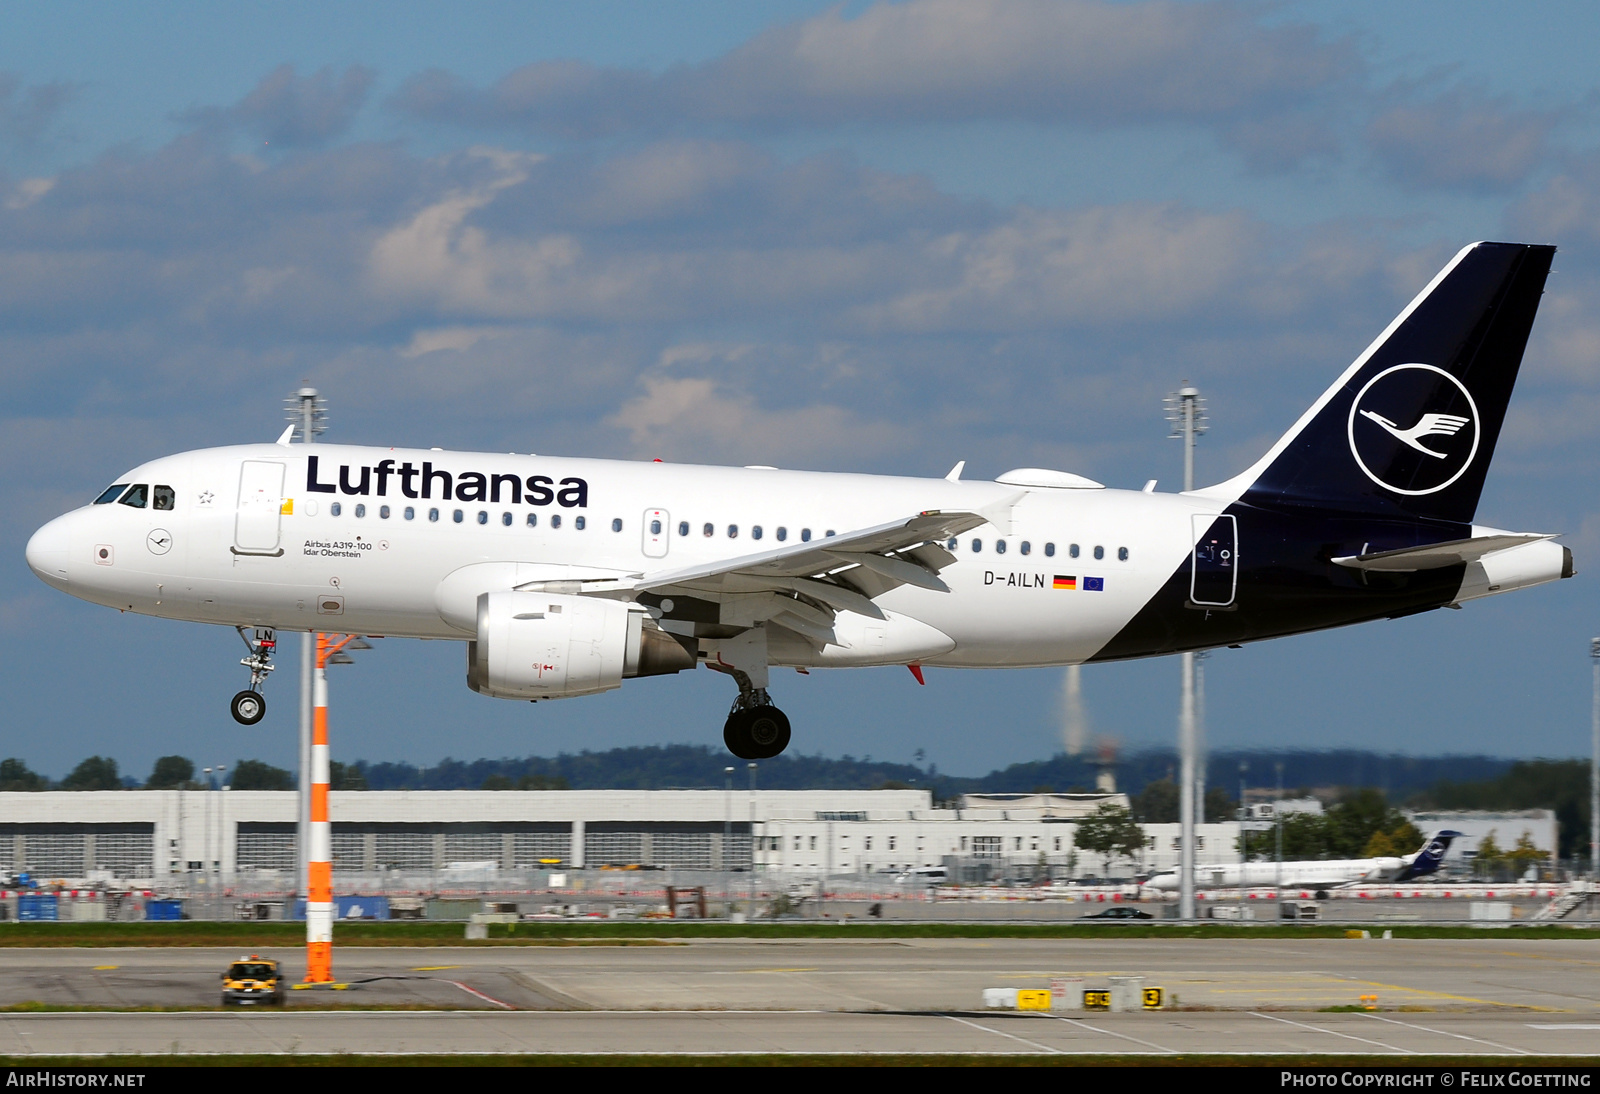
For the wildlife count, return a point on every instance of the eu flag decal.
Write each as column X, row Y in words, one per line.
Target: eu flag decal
column 1094, row 584
column 1063, row 582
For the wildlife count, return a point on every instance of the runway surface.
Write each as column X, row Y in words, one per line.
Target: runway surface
column 724, row 1032
column 1485, row 995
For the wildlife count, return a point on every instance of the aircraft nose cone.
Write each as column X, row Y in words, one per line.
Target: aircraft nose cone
column 48, row 552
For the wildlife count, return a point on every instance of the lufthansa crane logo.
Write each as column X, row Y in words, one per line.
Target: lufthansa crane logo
column 1414, row 429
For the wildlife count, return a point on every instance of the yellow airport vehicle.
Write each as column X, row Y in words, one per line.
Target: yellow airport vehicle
column 252, row 981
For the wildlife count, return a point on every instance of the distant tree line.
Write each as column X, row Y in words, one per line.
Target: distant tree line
column 1561, row 785
column 169, row 773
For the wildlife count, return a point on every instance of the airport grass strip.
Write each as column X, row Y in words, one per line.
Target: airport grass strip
column 255, row 934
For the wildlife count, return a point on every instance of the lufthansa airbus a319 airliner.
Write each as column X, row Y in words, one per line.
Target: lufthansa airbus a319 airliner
column 565, row 577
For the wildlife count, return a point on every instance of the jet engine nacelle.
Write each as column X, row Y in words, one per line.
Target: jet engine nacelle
column 553, row 646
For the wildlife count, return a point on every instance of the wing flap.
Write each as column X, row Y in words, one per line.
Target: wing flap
column 818, row 556
column 803, row 586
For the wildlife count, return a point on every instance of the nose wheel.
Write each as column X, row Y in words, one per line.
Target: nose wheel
column 250, row 706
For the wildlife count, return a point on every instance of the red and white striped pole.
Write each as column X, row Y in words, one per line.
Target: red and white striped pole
column 319, row 871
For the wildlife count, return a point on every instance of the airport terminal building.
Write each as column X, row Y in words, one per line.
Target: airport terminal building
column 248, row 838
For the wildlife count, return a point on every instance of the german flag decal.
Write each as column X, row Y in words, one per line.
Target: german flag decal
column 1065, row 582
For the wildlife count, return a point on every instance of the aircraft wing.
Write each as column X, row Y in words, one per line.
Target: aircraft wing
column 802, row 585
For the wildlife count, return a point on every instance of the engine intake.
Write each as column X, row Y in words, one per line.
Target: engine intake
column 554, row 646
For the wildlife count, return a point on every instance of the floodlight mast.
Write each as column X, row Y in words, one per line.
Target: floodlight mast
column 1186, row 412
column 309, row 413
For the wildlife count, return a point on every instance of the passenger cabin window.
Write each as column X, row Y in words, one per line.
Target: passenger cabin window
column 112, row 494
column 782, row 533
column 952, row 543
column 506, row 519
column 383, row 512
column 1073, row 550
column 1122, row 554
column 580, row 523
column 533, row 520
column 335, row 508
column 733, row 531
column 977, row 545
column 1049, row 550
column 1026, row 548
column 755, row 531
column 683, row 528
column 999, row 546
column 163, row 498
column 411, row 513
column 433, row 515
column 458, row 516
column 655, row 527
column 805, row 535
column 708, row 531
column 555, row 520
column 1099, row 551
column 361, row 509
column 616, row 525
column 137, row 496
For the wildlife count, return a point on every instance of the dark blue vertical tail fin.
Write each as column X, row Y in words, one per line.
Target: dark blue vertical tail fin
column 1409, row 429
column 1427, row 860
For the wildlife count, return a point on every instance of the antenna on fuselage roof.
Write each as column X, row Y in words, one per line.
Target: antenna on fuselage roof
column 308, row 414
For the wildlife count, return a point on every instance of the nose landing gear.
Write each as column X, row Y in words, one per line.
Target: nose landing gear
column 250, row 706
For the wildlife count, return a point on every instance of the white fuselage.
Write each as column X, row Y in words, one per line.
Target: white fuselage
column 1295, row 875
column 205, row 558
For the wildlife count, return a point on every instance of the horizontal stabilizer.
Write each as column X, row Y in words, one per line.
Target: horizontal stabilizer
column 1436, row 556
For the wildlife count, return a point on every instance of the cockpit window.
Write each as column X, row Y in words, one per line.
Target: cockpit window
column 164, row 498
column 112, row 494
column 136, row 496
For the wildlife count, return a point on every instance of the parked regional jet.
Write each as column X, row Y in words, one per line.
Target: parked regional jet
column 564, row 577
column 1321, row 875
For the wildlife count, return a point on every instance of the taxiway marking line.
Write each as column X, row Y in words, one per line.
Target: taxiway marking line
column 1012, row 1036
column 1334, row 1032
column 1446, row 1033
column 1448, row 995
column 1114, row 1033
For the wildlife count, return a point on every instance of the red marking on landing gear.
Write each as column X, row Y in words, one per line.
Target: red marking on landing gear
column 916, row 670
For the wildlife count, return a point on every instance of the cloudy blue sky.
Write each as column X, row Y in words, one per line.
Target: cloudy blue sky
column 864, row 236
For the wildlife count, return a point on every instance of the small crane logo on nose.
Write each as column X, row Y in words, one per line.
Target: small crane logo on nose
column 159, row 541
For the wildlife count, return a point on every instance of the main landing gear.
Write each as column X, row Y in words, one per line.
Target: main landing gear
column 758, row 732
column 250, row 706
column 755, row 729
